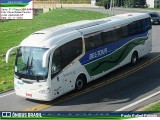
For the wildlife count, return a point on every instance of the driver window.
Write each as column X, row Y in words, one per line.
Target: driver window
column 56, row 63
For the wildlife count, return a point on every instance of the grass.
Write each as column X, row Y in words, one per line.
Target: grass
column 14, row 31
column 13, row 5
column 158, row 9
column 154, row 108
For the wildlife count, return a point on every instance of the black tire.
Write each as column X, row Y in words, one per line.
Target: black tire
column 134, row 58
column 80, row 83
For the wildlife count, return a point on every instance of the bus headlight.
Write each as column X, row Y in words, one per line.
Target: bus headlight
column 45, row 91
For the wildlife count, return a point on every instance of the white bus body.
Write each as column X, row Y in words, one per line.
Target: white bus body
column 54, row 61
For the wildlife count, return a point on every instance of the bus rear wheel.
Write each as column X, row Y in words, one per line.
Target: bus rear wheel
column 134, row 58
column 80, row 83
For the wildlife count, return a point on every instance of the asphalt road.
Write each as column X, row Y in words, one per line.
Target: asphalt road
column 115, row 11
column 125, row 89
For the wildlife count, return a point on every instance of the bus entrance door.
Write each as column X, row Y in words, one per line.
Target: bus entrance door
column 57, row 85
column 68, row 81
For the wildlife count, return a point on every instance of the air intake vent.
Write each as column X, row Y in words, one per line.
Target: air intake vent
column 91, row 24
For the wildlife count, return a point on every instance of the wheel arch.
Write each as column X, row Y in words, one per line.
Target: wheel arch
column 83, row 76
column 136, row 52
column 134, row 57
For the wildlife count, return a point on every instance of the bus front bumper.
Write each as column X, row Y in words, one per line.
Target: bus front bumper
column 43, row 94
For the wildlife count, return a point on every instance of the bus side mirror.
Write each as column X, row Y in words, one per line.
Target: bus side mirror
column 45, row 58
column 9, row 52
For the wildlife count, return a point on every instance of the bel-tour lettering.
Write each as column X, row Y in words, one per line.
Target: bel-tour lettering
column 98, row 54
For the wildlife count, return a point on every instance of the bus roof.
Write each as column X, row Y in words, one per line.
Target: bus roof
column 58, row 35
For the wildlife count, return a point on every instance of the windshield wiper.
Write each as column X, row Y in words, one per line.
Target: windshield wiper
column 33, row 72
column 20, row 76
column 29, row 70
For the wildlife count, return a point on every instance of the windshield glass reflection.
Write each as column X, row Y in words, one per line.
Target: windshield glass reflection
column 29, row 63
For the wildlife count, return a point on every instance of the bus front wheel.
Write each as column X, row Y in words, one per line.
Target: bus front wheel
column 80, row 83
column 134, row 58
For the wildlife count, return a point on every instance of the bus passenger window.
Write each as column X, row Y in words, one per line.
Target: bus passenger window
column 107, row 37
column 92, row 42
column 125, row 31
column 139, row 27
column 71, row 51
column 89, row 44
column 146, row 23
column 132, row 28
column 97, row 40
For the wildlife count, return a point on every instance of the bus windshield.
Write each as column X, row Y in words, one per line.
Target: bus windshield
column 28, row 63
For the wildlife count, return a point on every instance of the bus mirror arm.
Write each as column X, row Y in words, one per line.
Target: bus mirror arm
column 9, row 52
column 46, row 57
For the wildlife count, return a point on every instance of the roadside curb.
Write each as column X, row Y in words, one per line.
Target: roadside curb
column 6, row 91
column 148, row 106
column 137, row 9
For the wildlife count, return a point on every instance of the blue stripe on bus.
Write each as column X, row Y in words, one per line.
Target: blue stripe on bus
column 107, row 49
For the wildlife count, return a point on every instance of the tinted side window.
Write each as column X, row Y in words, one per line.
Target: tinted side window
column 93, row 41
column 56, row 63
column 70, row 51
column 107, row 37
column 117, row 34
column 112, row 35
column 146, row 23
column 65, row 55
column 132, row 28
column 137, row 27
column 149, row 26
column 124, row 31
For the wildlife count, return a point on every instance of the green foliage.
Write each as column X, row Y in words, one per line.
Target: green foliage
column 102, row 2
column 75, row 1
column 154, row 108
column 158, row 4
column 135, row 3
column 14, row 31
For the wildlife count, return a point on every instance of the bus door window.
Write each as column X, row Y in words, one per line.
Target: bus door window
column 56, row 63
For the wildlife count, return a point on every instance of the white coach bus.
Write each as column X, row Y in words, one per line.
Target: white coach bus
column 54, row 61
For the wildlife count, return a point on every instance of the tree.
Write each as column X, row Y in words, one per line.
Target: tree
column 135, row 3
column 102, row 2
column 158, row 4
column 129, row 2
column 141, row 2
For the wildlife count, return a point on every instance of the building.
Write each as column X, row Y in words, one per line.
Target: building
column 152, row 3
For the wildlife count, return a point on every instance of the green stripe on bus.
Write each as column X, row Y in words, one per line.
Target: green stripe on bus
column 112, row 60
